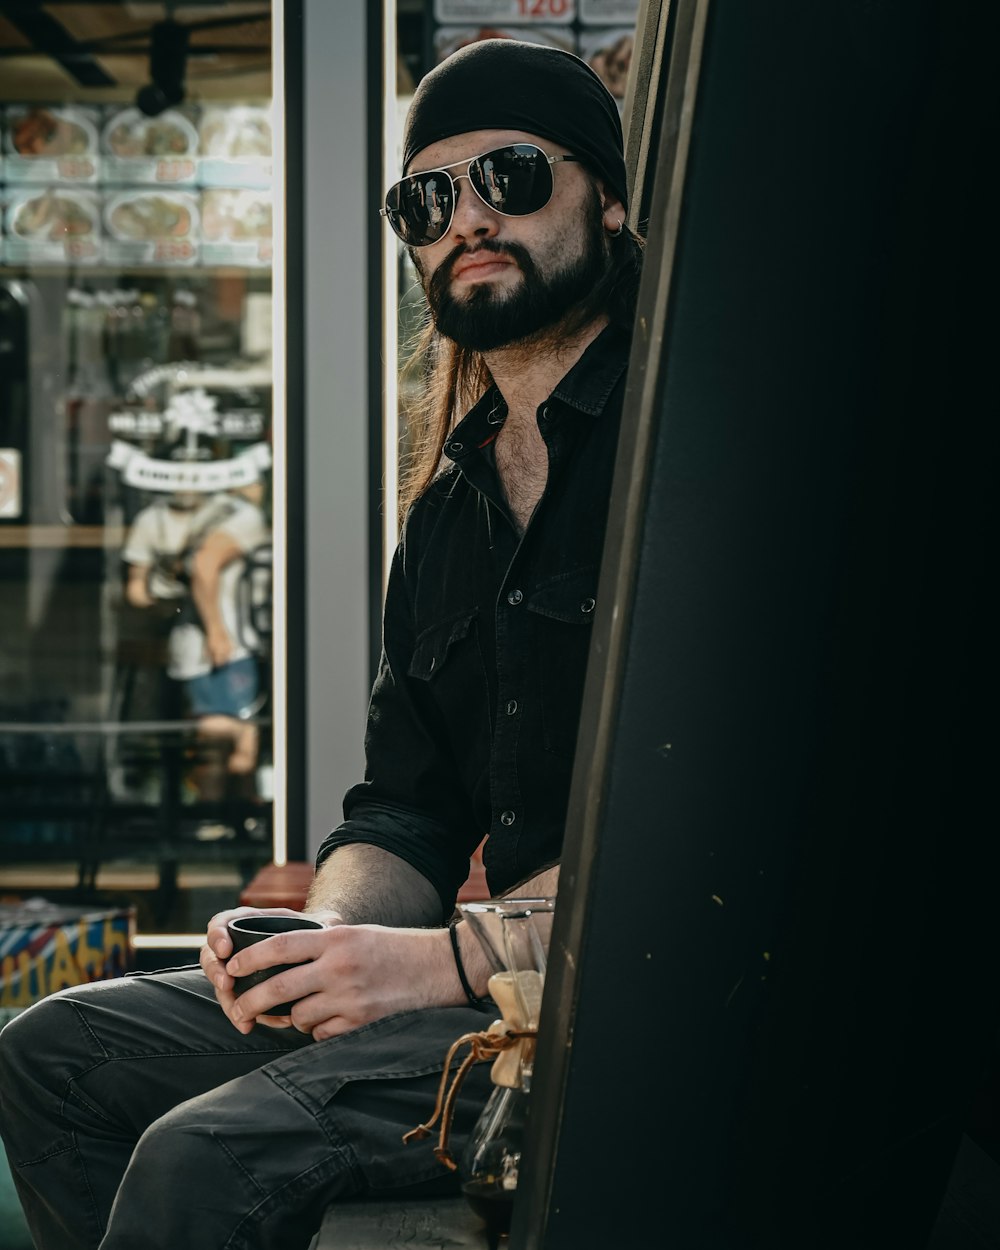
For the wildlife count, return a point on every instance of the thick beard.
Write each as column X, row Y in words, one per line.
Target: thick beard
column 487, row 319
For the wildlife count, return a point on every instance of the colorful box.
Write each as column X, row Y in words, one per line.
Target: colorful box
column 45, row 947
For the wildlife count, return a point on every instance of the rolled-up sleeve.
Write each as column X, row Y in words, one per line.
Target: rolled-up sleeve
column 411, row 802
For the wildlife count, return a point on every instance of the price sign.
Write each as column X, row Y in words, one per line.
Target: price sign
column 518, row 12
column 609, row 12
column 81, row 249
column 174, row 170
column 76, row 168
column 174, row 250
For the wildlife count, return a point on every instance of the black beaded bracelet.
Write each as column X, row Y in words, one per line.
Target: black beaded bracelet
column 474, row 999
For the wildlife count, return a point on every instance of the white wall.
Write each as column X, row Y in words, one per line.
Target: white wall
column 336, row 296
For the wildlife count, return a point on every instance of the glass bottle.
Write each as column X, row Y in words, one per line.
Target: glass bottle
column 514, row 933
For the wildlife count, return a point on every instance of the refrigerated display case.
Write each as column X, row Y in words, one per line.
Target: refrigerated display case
column 136, row 451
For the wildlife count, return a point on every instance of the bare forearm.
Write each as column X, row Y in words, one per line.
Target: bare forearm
column 205, row 593
column 136, row 588
column 366, row 885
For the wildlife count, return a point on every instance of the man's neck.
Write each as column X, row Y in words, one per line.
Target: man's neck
column 526, row 376
column 527, row 373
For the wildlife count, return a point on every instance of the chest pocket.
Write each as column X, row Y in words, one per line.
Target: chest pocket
column 572, row 599
column 562, row 610
column 434, row 645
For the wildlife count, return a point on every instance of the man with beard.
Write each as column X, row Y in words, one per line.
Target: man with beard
column 142, row 1108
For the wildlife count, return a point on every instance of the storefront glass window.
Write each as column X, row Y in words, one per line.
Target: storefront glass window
column 135, row 458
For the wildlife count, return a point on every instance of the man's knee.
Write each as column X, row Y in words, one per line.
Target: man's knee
column 184, row 1168
column 36, row 1054
column 27, row 1042
column 175, row 1145
column 175, row 1190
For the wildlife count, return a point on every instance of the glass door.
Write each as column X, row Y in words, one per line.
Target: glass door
column 137, row 489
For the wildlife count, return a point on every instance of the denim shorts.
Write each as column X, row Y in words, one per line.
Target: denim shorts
column 227, row 691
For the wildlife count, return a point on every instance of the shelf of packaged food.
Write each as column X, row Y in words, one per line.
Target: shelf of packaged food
column 31, row 537
column 18, row 809
column 113, row 727
column 77, row 272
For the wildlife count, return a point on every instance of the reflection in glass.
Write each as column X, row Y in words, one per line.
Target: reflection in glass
column 135, row 540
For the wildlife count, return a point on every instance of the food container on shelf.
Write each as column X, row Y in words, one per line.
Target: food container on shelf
column 141, row 150
column 155, row 226
column 236, row 227
column 235, row 142
column 57, row 225
column 46, row 144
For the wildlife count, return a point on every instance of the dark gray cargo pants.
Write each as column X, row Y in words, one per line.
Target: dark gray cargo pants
column 135, row 1115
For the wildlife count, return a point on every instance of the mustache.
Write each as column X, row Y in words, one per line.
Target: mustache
column 515, row 251
column 437, row 289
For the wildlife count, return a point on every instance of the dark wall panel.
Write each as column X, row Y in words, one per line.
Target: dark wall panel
column 772, row 993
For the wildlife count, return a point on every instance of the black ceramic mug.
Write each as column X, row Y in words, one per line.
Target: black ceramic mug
column 245, row 930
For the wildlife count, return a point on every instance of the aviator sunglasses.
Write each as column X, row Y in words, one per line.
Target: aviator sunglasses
column 513, row 180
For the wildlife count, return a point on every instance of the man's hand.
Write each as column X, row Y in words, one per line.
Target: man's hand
column 349, row 975
column 219, row 946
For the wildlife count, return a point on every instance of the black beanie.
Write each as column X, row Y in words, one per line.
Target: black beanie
column 502, row 84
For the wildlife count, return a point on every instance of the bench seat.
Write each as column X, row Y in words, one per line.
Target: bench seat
column 414, row 1225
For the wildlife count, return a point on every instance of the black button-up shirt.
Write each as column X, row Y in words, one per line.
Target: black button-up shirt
column 474, row 712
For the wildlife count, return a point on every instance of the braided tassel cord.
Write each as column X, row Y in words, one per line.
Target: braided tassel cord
column 482, row 1047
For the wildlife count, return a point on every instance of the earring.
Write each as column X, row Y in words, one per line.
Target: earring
column 616, row 234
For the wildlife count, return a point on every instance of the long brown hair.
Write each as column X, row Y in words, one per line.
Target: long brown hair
column 447, row 379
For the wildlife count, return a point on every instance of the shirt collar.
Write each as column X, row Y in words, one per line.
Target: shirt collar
column 587, row 388
column 589, row 384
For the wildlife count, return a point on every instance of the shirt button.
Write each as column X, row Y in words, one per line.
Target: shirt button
column 455, row 446
column 514, row 596
column 507, row 817
column 545, row 413
column 588, row 605
column 511, row 707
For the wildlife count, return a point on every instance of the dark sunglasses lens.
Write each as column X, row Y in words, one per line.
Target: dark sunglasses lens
column 419, row 208
column 515, row 180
